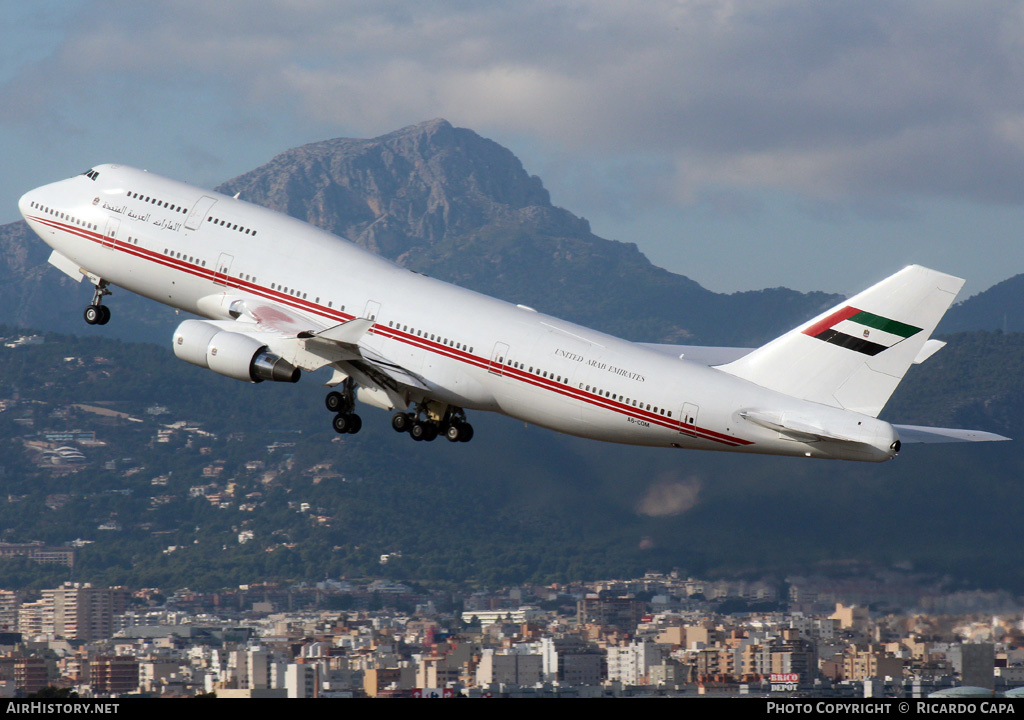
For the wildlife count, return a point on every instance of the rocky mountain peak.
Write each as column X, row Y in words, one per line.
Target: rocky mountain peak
column 447, row 202
column 410, row 188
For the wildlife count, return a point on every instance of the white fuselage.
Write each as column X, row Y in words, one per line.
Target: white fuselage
column 181, row 245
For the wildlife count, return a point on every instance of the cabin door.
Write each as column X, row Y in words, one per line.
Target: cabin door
column 220, row 275
column 195, row 218
column 498, row 357
column 372, row 310
column 110, row 234
column 689, row 419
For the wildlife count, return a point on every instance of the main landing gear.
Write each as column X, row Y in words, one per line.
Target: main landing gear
column 426, row 424
column 98, row 313
column 453, row 425
column 342, row 404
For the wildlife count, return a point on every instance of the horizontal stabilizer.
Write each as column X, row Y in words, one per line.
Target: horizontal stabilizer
column 919, row 434
column 930, row 348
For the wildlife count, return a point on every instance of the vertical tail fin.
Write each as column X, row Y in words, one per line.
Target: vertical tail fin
column 854, row 355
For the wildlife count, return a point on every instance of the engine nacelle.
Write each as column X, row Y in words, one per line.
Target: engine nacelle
column 230, row 353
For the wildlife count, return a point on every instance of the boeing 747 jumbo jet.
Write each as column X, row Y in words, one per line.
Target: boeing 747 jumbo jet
column 280, row 296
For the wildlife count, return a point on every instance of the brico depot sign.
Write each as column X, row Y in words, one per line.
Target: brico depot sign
column 784, row 682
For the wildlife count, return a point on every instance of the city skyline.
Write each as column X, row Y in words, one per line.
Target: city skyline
column 651, row 635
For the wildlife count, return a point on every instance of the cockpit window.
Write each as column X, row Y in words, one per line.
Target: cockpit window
column 90, row 173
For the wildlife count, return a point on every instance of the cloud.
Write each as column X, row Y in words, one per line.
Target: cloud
column 669, row 497
column 828, row 100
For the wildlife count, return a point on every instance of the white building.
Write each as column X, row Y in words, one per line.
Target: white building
column 301, row 680
column 630, row 664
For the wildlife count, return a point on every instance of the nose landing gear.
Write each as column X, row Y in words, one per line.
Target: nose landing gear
column 97, row 313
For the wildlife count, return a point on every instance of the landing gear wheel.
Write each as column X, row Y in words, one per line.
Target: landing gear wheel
column 421, row 431
column 355, row 424
column 401, row 422
column 97, row 313
column 347, row 423
column 334, row 401
column 459, row 432
column 94, row 315
column 455, row 432
column 342, row 423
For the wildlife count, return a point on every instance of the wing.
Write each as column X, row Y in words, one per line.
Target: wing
column 310, row 344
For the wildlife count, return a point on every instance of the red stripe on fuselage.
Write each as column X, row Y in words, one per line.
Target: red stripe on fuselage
column 410, row 339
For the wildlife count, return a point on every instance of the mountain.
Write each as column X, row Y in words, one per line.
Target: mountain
column 1001, row 307
column 178, row 462
column 446, row 202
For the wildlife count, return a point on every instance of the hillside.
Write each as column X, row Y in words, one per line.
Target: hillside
column 170, row 486
column 1001, row 307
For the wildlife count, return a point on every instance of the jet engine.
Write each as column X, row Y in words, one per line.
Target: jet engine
column 229, row 353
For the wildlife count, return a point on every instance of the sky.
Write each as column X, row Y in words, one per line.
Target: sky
column 744, row 144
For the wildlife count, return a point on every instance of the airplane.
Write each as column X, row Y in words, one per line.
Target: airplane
column 279, row 296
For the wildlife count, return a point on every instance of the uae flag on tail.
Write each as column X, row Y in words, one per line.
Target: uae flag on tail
column 861, row 331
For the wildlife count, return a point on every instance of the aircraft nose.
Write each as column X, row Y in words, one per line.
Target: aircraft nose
column 25, row 204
